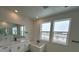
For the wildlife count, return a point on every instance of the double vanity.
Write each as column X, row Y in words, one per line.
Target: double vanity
column 12, row 46
column 13, row 37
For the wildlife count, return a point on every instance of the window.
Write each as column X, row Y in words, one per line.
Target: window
column 60, row 31
column 6, row 31
column 45, row 31
column 22, row 30
column 14, row 30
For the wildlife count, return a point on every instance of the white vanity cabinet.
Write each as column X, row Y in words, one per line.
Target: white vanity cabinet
column 20, row 47
column 17, row 48
column 12, row 46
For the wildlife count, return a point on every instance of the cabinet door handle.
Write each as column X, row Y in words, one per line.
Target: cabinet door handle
column 75, row 41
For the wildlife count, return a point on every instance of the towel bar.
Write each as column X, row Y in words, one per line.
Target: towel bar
column 75, row 41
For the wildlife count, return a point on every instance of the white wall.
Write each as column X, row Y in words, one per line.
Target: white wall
column 12, row 17
column 74, row 31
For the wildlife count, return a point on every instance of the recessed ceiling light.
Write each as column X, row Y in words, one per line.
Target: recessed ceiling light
column 4, row 23
column 15, row 11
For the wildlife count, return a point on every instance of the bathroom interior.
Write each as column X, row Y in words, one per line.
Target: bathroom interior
column 39, row 29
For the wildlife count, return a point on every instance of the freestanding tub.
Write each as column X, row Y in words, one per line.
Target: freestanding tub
column 37, row 47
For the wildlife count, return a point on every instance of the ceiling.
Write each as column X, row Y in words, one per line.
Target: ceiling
column 39, row 11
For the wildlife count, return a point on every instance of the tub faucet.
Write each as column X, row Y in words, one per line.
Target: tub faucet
column 38, row 41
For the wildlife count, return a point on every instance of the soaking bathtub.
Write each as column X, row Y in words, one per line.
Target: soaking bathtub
column 37, row 47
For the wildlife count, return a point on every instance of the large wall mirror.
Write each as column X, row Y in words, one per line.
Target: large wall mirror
column 7, row 28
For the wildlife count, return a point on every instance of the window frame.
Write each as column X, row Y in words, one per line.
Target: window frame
column 49, row 31
column 68, row 34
